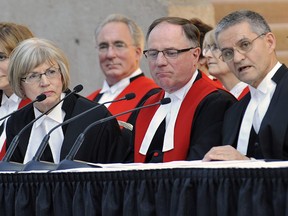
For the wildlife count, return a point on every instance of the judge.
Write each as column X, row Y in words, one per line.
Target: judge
column 11, row 34
column 120, row 43
column 191, row 124
column 256, row 126
column 37, row 66
column 219, row 69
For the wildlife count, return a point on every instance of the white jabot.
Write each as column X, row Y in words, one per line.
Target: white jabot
column 256, row 109
column 171, row 117
column 8, row 105
column 170, row 111
column 238, row 88
column 158, row 117
column 111, row 92
column 41, row 127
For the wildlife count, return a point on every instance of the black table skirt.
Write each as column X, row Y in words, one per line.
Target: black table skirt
column 193, row 191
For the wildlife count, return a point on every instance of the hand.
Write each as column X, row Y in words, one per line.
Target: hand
column 224, row 153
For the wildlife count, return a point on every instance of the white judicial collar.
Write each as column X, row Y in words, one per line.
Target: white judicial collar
column 265, row 90
column 158, row 117
column 238, row 88
column 8, row 105
column 246, row 126
column 41, row 127
column 256, row 109
column 110, row 93
column 170, row 111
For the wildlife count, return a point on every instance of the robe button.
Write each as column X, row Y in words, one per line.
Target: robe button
column 156, row 154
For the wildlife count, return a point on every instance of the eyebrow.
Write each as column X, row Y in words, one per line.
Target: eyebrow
column 242, row 39
column 231, row 47
column 117, row 41
column 52, row 66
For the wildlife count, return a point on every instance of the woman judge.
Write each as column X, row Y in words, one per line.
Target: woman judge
column 11, row 34
column 37, row 66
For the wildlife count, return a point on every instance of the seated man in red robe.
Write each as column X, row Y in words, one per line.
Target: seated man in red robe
column 120, row 43
column 191, row 124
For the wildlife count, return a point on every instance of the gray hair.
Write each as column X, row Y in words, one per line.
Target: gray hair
column 257, row 23
column 209, row 38
column 135, row 30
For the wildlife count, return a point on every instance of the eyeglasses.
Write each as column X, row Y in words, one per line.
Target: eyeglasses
column 213, row 48
column 168, row 53
column 118, row 46
column 242, row 46
column 35, row 77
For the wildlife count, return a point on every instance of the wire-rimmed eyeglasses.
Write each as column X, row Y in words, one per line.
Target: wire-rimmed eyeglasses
column 243, row 46
column 35, row 77
column 213, row 49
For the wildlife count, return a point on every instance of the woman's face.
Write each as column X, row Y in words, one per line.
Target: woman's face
column 44, row 79
column 216, row 67
column 4, row 83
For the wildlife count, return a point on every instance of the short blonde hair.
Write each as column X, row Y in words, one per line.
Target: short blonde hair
column 32, row 53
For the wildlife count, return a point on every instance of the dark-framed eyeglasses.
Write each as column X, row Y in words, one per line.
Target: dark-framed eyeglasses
column 168, row 53
column 243, row 46
column 35, row 77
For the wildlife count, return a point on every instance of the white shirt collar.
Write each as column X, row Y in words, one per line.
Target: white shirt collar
column 267, row 83
column 181, row 93
column 57, row 114
column 256, row 109
column 8, row 105
column 176, row 100
column 13, row 98
column 119, row 85
column 238, row 89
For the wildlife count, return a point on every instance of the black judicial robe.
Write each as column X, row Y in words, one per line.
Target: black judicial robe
column 273, row 134
column 22, row 103
column 103, row 143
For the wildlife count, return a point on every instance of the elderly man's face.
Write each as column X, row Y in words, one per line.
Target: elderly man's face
column 252, row 65
column 171, row 74
column 118, row 55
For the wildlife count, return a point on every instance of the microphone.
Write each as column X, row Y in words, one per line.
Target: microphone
column 39, row 98
column 35, row 163
column 69, row 162
column 5, row 163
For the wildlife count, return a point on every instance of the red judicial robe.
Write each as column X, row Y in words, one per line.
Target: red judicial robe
column 200, row 89
column 140, row 86
column 243, row 93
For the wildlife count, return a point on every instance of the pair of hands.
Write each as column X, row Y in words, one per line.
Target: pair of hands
column 224, row 153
